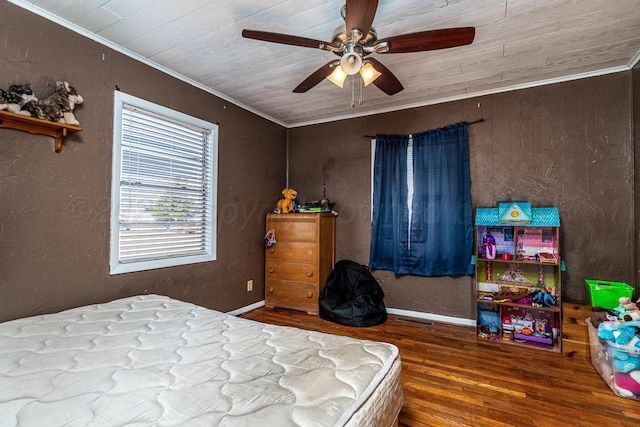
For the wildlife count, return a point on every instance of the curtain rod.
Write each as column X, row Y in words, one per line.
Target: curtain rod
column 480, row 120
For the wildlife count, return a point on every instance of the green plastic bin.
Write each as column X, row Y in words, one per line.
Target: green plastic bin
column 607, row 294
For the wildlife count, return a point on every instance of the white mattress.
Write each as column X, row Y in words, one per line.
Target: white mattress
column 153, row 360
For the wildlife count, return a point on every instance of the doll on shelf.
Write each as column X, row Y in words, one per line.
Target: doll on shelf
column 489, row 246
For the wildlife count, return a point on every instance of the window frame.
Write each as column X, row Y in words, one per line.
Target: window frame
column 116, row 266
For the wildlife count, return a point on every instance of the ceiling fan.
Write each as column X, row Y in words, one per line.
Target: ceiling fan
column 354, row 41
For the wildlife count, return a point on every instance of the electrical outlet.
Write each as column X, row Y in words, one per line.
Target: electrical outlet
column 249, row 285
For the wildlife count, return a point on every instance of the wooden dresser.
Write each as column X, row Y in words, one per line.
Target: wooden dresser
column 297, row 266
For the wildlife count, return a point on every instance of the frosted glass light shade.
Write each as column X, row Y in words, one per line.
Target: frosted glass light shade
column 338, row 76
column 369, row 73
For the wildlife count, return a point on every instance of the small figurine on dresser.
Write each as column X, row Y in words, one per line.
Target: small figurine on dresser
column 288, row 203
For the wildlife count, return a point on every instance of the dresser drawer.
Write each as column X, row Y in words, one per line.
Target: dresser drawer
column 293, row 251
column 294, row 271
column 298, row 231
column 298, row 296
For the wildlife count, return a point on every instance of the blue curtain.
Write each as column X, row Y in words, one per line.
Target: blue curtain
column 390, row 220
column 434, row 238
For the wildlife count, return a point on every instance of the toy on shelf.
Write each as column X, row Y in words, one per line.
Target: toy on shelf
column 542, row 298
column 489, row 246
column 530, row 329
column 287, row 204
column 16, row 97
column 513, row 274
column 507, row 328
column 57, row 107
column 488, row 322
column 541, row 276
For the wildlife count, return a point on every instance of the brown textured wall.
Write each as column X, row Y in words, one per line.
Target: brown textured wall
column 54, row 207
column 636, row 131
column 568, row 145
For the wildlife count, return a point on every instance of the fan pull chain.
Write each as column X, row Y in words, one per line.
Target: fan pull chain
column 353, row 93
column 361, row 100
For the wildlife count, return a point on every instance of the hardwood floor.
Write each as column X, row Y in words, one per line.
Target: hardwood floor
column 452, row 379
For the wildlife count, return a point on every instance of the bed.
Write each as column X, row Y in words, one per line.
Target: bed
column 153, row 360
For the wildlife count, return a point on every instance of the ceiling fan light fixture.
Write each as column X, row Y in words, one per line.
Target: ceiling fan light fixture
column 369, row 73
column 351, row 62
column 338, row 76
column 355, row 39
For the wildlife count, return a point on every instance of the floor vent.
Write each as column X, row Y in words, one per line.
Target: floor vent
column 415, row 320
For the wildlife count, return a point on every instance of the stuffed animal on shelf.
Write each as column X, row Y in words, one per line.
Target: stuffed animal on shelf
column 14, row 99
column 4, row 99
column 57, row 107
column 286, row 205
column 543, row 298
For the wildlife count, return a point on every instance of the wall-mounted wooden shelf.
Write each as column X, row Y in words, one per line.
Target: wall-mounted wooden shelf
column 36, row 126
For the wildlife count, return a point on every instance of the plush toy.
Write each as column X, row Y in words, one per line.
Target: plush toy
column 16, row 98
column 625, row 362
column 4, row 99
column 59, row 106
column 628, row 384
column 543, row 298
column 621, row 333
column 286, row 205
column 626, row 304
column 628, row 310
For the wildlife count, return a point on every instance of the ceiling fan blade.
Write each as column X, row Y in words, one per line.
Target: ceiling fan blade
column 386, row 82
column 429, row 40
column 359, row 15
column 315, row 78
column 282, row 38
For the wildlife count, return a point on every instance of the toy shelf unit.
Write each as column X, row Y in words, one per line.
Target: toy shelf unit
column 518, row 275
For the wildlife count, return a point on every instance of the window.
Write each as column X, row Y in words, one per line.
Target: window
column 163, row 195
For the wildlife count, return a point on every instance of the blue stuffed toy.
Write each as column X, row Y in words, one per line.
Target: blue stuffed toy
column 624, row 362
column 624, row 334
column 543, row 298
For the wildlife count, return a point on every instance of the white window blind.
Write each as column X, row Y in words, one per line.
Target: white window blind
column 165, row 186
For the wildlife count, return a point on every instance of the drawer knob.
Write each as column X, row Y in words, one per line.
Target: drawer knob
column 271, row 270
column 272, row 250
column 309, row 294
column 309, row 273
column 271, row 289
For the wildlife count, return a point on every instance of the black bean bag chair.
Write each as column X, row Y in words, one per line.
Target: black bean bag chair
column 352, row 296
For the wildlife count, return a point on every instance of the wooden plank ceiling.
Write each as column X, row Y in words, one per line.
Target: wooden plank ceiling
column 518, row 43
